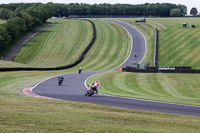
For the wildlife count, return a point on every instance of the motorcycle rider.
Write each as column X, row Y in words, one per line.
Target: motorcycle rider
column 61, row 78
column 94, row 86
column 79, row 70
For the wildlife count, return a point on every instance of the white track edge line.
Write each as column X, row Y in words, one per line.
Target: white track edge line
column 111, row 70
column 131, row 46
column 140, row 62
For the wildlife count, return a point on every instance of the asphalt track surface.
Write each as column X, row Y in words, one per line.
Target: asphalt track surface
column 73, row 87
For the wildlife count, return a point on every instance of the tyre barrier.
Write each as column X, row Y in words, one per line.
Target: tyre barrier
column 156, row 49
column 80, row 58
column 159, row 70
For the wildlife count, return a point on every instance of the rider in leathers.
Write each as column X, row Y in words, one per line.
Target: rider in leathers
column 94, row 86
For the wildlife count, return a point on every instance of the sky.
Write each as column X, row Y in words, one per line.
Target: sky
column 189, row 3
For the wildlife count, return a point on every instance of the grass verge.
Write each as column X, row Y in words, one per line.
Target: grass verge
column 23, row 114
column 58, row 45
column 172, row 88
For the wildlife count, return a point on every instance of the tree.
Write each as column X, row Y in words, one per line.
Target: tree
column 5, row 13
column 16, row 27
column 28, row 19
column 193, row 11
column 183, row 9
column 5, row 38
column 175, row 13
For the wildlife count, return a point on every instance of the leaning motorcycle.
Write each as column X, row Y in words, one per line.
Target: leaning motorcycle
column 90, row 92
column 92, row 88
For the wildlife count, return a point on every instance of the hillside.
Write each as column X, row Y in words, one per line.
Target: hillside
column 178, row 46
column 62, row 44
column 24, row 114
column 58, row 45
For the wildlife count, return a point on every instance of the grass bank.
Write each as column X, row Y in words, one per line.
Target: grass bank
column 110, row 49
column 62, row 44
column 20, row 114
column 148, row 31
column 58, row 45
column 178, row 46
column 7, row 64
column 172, row 88
column 23, row 114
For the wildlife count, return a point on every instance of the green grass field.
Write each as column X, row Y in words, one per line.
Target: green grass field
column 172, row 88
column 178, row 46
column 4, row 63
column 110, row 49
column 58, row 45
column 24, row 114
column 49, row 49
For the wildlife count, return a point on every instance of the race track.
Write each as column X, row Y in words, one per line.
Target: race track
column 73, row 87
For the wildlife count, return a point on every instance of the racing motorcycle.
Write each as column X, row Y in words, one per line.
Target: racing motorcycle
column 92, row 89
column 60, row 80
column 90, row 92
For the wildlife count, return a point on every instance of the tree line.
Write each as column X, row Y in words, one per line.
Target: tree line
column 22, row 17
column 162, row 10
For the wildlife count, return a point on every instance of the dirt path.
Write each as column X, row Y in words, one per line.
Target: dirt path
column 19, row 44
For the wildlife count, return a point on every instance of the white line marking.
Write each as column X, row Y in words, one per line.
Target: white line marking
column 131, row 40
column 108, row 71
column 131, row 45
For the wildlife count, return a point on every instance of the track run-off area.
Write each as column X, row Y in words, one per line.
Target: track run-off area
column 73, row 87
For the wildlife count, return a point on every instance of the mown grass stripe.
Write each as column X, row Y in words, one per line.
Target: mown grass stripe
column 124, row 88
column 169, row 40
column 110, row 41
column 132, row 83
column 59, row 49
column 156, row 86
column 143, row 82
column 114, row 81
column 180, row 39
column 112, row 49
column 178, row 46
column 173, row 88
column 192, row 58
column 158, row 25
column 99, row 48
column 122, row 50
column 166, row 83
